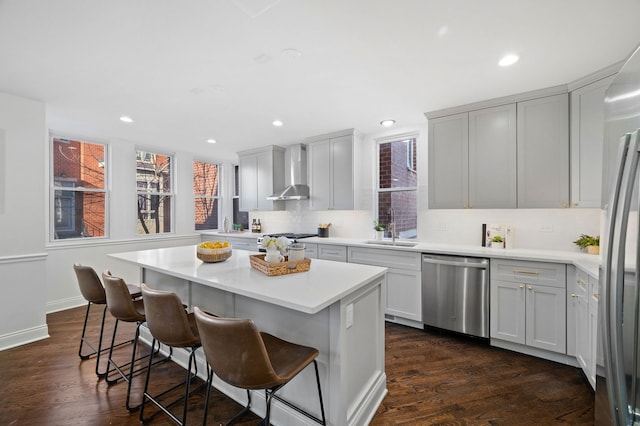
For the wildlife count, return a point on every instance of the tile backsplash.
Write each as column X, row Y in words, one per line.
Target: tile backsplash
column 552, row 229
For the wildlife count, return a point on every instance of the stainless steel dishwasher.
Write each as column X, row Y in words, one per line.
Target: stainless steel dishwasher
column 455, row 293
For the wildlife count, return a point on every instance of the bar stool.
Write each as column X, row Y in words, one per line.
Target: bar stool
column 170, row 325
column 242, row 356
column 93, row 292
column 124, row 308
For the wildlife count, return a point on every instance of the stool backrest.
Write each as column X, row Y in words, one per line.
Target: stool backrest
column 235, row 351
column 167, row 319
column 119, row 299
column 90, row 285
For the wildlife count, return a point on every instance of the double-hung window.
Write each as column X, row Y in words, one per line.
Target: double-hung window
column 206, row 192
column 78, row 197
column 397, row 187
column 154, row 189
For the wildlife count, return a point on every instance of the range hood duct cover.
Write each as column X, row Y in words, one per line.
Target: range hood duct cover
column 296, row 161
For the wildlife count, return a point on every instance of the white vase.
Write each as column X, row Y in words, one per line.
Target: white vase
column 273, row 256
column 379, row 235
column 496, row 245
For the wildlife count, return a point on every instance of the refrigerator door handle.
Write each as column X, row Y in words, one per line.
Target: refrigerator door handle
column 613, row 285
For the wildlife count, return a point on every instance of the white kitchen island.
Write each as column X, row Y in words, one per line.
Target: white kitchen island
column 335, row 307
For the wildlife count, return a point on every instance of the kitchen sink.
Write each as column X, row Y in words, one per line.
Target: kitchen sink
column 391, row 243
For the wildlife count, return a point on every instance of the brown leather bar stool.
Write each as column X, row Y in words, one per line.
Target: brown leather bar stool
column 242, row 356
column 171, row 325
column 93, row 292
column 124, row 308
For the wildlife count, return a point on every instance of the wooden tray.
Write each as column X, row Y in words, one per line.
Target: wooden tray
column 280, row 268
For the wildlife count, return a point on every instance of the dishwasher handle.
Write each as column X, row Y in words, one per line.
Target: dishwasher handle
column 481, row 265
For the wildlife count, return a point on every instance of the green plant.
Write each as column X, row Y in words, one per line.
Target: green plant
column 587, row 240
column 497, row 239
column 377, row 226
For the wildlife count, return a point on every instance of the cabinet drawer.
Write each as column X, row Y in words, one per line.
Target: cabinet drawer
column 383, row 257
column 311, row 251
column 543, row 273
column 331, row 252
column 243, row 244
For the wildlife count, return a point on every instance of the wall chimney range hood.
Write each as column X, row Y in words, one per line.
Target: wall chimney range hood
column 296, row 175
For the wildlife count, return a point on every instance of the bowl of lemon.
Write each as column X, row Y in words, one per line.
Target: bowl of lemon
column 214, row 251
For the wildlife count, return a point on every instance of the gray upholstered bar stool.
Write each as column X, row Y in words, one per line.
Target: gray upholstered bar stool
column 242, row 356
column 124, row 308
column 93, row 292
column 170, row 324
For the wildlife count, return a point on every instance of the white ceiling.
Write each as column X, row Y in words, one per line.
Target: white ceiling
column 197, row 69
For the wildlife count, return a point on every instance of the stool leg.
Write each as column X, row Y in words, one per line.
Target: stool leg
column 206, row 401
column 324, row 420
column 109, row 362
column 98, row 373
column 84, row 329
column 146, row 383
column 131, row 367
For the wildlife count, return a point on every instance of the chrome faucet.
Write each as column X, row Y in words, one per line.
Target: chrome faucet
column 392, row 224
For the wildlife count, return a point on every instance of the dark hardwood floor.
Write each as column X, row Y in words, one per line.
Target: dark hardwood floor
column 432, row 379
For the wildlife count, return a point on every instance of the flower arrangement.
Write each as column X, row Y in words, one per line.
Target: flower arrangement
column 280, row 243
column 497, row 239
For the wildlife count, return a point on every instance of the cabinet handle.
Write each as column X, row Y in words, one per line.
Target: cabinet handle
column 520, row 271
column 530, row 288
column 521, row 286
column 581, row 282
column 574, row 295
column 596, row 295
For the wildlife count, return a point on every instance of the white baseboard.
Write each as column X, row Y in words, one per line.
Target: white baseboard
column 23, row 337
column 64, row 304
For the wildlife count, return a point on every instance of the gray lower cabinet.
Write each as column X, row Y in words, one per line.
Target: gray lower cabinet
column 310, row 250
column 332, row 252
column 543, row 152
column 403, row 294
column 528, row 304
column 250, row 244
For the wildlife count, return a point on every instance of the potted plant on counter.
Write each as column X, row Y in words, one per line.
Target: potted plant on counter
column 379, row 230
column 497, row 242
column 592, row 244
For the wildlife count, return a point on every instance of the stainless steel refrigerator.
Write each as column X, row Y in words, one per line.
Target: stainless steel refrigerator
column 618, row 389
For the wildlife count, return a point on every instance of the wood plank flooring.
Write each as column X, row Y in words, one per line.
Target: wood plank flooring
column 432, row 379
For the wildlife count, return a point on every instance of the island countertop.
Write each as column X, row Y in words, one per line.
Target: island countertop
column 310, row 292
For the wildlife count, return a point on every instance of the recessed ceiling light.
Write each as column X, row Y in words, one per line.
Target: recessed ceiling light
column 126, row 119
column 387, row 123
column 277, row 123
column 291, row 53
column 211, row 141
column 508, row 60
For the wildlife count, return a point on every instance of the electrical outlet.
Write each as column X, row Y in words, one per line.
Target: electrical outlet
column 443, row 226
column 545, row 228
column 349, row 315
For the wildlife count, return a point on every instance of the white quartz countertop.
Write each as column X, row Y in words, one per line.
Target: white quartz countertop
column 325, row 283
column 587, row 262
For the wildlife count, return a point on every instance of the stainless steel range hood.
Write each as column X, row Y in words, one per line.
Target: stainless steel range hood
column 296, row 175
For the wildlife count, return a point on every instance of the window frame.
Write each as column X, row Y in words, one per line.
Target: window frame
column 414, row 137
column 52, row 208
column 171, row 194
column 218, row 197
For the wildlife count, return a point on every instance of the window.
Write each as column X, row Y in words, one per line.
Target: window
column 206, row 187
column 78, row 194
column 398, row 185
column 154, row 189
column 239, row 217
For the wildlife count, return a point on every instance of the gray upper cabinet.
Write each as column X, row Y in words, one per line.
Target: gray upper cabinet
column 261, row 173
column 330, row 171
column 492, row 157
column 587, row 132
column 472, row 159
column 543, row 152
column 449, row 162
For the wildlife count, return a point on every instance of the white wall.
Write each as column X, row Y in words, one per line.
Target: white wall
column 22, row 254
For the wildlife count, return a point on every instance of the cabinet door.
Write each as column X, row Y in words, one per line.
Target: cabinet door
column 342, row 172
column 508, row 311
column 583, row 335
column 264, row 183
column 546, row 318
column 587, row 132
column 543, row 152
column 332, row 252
column 492, row 157
column 249, row 244
column 449, row 162
column 404, row 294
column 318, row 175
column 248, row 175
